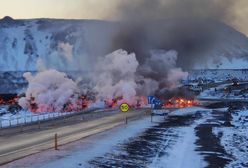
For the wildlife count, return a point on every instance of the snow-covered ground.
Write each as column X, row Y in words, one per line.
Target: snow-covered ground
column 235, row 139
column 177, row 157
column 218, row 74
column 226, row 91
column 187, row 111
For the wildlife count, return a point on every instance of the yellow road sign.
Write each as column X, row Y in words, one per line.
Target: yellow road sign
column 124, row 107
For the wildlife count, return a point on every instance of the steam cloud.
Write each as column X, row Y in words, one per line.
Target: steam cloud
column 115, row 76
column 49, row 90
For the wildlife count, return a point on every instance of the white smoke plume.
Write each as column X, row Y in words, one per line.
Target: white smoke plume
column 119, row 75
column 115, row 76
column 49, row 90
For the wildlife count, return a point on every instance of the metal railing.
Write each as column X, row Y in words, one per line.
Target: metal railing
column 28, row 118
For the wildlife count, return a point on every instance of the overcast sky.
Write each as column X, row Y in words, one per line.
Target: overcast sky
column 77, row 9
column 91, row 9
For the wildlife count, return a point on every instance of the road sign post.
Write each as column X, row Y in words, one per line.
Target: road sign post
column 154, row 102
column 124, row 107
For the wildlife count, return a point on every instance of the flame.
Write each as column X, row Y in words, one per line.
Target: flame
column 80, row 104
column 10, row 101
column 135, row 102
column 83, row 102
column 179, row 103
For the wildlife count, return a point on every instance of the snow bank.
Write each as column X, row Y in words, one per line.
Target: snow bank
column 177, row 157
column 187, row 111
column 235, row 139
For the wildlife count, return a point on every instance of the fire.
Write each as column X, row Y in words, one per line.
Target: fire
column 11, row 100
column 180, row 103
column 83, row 102
column 135, row 102
column 112, row 103
column 80, row 104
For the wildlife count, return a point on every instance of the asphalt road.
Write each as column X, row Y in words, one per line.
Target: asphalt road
column 15, row 146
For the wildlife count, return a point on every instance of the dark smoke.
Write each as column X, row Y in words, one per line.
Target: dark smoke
column 147, row 10
column 191, row 27
column 191, row 38
column 165, row 94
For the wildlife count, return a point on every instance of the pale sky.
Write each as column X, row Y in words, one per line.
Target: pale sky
column 70, row 9
column 90, row 9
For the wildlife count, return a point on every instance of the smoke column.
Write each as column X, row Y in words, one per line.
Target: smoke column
column 193, row 28
column 49, row 90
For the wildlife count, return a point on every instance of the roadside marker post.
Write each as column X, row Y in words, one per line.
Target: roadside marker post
column 56, row 141
column 21, row 127
column 124, row 107
column 38, row 123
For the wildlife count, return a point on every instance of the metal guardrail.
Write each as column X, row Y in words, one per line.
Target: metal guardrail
column 30, row 118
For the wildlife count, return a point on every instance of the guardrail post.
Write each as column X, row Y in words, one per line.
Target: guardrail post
column 56, row 141
column 151, row 117
column 21, row 127
column 39, row 124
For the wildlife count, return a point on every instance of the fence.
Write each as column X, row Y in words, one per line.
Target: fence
column 28, row 118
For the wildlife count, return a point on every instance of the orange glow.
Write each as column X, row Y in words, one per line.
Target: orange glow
column 80, row 104
column 179, row 103
column 12, row 101
column 134, row 102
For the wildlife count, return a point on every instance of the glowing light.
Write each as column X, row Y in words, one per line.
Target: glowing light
column 179, row 103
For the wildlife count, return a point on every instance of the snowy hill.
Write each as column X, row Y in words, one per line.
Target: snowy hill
column 71, row 44
column 218, row 74
column 24, row 42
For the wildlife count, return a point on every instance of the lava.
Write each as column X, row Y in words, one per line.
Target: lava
column 81, row 103
column 8, row 99
column 134, row 102
column 179, row 103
